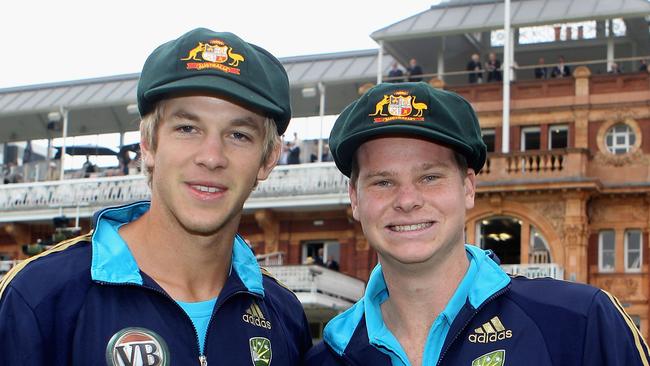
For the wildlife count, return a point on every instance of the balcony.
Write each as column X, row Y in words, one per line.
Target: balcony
column 316, row 184
column 537, row 270
column 289, row 186
column 319, row 287
column 524, row 166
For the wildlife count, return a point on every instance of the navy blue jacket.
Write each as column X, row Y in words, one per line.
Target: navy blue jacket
column 85, row 302
column 503, row 321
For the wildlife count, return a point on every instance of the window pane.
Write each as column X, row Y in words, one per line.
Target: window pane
column 489, row 141
column 531, row 140
column 559, row 137
column 606, row 250
column 633, row 240
column 608, row 140
column 607, row 239
column 608, row 260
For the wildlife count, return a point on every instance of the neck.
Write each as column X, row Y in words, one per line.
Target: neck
column 188, row 266
column 426, row 291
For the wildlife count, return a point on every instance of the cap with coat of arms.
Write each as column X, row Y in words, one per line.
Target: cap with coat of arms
column 218, row 63
column 415, row 109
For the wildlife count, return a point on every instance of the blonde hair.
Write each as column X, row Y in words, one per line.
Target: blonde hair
column 149, row 135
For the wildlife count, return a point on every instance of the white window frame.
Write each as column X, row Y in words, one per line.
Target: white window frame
column 490, row 132
column 627, row 250
column 626, row 145
column 327, row 248
column 600, row 252
column 523, row 135
column 553, row 128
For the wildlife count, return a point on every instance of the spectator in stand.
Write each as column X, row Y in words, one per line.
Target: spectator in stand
column 493, row 68
column 474, row 65
column 541, row 72
column 124, row 161
column 88, row 167
column 327, row 154
column 293, row 153
column 414, row 71
column 643, row 67
column 395, row 75
column 615, row 69
column 332, row 264
column 561, row 70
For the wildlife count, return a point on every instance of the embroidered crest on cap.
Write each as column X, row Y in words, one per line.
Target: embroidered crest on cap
column 260, row 351
column 137, row 347
column 214, row 54
column 400, row 105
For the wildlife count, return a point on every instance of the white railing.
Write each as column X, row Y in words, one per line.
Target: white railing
column 289, row 181
column 270, row 259
column 321, row 280
column 6, row 265
column 538, row 270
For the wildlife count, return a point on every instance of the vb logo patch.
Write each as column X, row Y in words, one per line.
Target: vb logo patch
column 260, row 351
column 137, row 347
column 494, row 358
column 400, row 105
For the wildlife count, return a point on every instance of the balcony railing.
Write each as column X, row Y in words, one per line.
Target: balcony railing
column 538, row 270
column 525, row 165
column 319, row 286
column 287, row 186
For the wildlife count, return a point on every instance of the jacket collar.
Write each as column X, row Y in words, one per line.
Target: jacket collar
column 487, row 279
column 112, row 261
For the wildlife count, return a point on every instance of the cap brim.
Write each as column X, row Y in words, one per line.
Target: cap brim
column 348, row 147
column 219, row 86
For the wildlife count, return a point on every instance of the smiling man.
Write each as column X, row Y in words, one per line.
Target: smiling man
column 433, row 300
column 169, row 282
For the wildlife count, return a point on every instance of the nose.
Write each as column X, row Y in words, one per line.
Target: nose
column 211, row 154
column 408, row 198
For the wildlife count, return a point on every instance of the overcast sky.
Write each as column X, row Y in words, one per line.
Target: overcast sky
column 59, row 40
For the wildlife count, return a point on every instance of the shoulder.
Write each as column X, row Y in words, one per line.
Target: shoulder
column 65, row 267
column 321, row 354
column 279, row 294
column 547, row 293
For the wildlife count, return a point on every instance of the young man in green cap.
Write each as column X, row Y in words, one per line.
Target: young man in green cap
column 412, row 153
column 169, row 282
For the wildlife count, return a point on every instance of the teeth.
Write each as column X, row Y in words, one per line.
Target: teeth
column 205, row 189
column 414, row 227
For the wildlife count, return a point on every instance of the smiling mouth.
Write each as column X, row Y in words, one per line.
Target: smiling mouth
column 412, row 227
column 206, row 189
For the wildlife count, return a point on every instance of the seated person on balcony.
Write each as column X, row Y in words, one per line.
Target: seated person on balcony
column 88, row 167
column 474, row 65
column 433, row 300
column 493, row 68
column 541, row 72
column 395, row 75
column 560, row 70
column 643, row 66
column 414, row 71
column 615, row 69
column 170, row 282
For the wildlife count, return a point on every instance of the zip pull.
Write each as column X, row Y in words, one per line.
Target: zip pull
column 203, row 361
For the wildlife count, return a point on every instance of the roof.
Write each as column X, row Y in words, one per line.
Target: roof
column 459, row 17
column 100, row 105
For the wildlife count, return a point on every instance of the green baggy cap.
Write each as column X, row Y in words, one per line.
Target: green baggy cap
column 415, row 109
column 219, row 63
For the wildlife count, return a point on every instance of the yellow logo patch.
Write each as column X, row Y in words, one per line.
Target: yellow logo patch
column 214, row 54
column 400, row 105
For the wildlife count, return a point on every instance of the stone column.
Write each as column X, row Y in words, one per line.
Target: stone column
column 270, row 225
column 575, row 237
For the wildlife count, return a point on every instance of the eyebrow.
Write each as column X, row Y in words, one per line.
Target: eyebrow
column 247, row 121
column 421, row 167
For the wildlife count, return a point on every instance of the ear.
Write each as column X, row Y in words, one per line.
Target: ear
column 354, row 203
column 147, row 155
column 270, row 162
column 470, row 188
